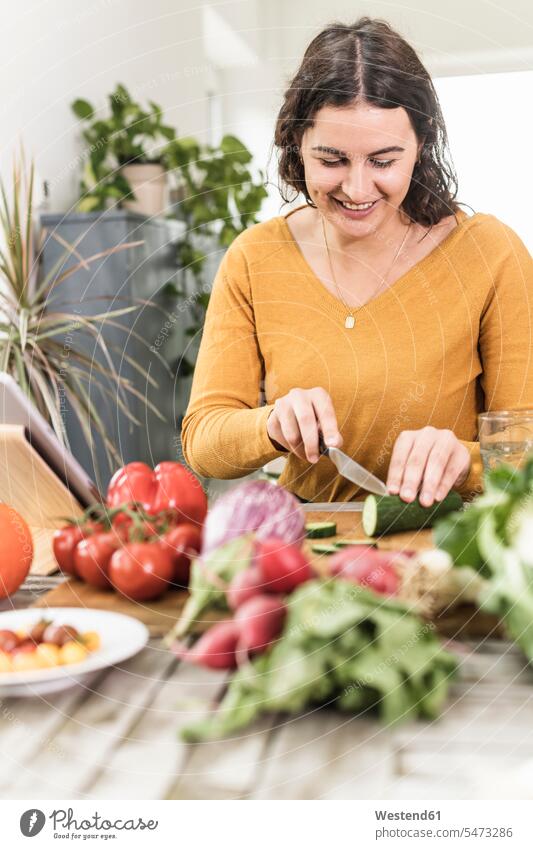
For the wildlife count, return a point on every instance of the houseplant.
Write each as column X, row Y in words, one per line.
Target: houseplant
column 31, row 348
column 220, row 197
column 124, row 157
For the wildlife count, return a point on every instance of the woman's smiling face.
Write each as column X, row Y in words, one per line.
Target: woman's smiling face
column 358, row 155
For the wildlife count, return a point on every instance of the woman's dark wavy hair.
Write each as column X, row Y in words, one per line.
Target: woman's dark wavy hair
column 369, row 62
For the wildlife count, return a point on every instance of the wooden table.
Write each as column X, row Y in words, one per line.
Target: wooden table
column 118, row 738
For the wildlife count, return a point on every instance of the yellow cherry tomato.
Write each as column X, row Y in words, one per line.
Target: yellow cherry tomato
column 26, row 661
column 91, row 640
column 48, row 654
column 5, row 662
column 72, row 652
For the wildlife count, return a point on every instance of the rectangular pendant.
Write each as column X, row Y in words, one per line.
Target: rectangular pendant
column 349, row 322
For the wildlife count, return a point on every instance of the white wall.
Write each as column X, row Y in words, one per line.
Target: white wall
column 53, row 52
column 490, row 125
column 489, row 121
column 488, row 116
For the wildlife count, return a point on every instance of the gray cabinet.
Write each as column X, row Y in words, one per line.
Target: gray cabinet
column 150, row 337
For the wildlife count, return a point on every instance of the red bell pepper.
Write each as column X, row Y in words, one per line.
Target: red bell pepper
column 170, row 486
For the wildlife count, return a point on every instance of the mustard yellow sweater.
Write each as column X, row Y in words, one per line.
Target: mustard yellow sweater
column 450, row 338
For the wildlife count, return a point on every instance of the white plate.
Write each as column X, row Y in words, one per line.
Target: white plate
column 121, row 637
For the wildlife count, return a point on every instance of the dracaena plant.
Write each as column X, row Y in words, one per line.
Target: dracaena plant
column 31, row 347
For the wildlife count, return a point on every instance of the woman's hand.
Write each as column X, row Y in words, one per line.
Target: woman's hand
column 295, row 421
column 428, row 459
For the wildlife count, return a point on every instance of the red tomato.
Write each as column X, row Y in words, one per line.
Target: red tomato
column 141, row 570
column 24, row 647
column 60, row 634
column 16, row 550
column 121, row 524
column 183, row 542
column 130, row 531
column 8, row 640
column 170, row 486
column 92, row 556
column 65, row 541
column 64, row 545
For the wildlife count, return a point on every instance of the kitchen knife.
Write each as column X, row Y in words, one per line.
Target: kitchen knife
column 351, row 470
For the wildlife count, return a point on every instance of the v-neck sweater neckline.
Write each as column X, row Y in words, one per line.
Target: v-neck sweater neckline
column 422, row 267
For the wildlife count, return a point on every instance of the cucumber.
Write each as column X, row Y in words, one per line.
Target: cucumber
column 344, row 543
column 388, row 514
column 320, row 530
column 324, row 548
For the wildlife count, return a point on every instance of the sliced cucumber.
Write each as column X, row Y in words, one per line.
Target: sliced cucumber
column 344, row 543
column 320, row 530
column 388, row 514
column 325, row 548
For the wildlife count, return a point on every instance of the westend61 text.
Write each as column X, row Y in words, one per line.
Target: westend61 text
column 407, row 815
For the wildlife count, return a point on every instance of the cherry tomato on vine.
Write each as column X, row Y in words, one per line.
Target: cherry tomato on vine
column 92, row 556
column 65, row 541
column 184, row 541
column 141, row 570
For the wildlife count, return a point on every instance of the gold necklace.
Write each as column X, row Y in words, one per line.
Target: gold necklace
column 349, row 321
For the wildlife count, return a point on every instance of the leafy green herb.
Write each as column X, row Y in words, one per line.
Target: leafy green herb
column 343, row 645
column 494, row 535
column 506, row 490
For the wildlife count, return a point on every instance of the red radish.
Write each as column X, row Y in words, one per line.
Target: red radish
column 351, row 552
column 260, row 622
column 368, row 567
column 283, row 566
column 245, row 585
column 215, row 649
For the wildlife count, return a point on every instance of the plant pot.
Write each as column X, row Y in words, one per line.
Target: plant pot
column 149, row 183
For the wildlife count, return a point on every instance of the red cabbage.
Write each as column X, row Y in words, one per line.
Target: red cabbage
column 259, row 506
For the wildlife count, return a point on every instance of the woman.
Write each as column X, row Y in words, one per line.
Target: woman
column 377, row 312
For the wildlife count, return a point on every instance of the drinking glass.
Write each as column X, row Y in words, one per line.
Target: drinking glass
column 505, row 436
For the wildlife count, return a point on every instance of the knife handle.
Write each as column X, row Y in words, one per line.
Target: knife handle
column 322, row 447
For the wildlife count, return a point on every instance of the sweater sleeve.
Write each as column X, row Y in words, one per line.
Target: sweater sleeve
column 224, row 431
column 505, row 337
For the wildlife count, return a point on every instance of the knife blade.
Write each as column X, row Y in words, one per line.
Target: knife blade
column 351, row 470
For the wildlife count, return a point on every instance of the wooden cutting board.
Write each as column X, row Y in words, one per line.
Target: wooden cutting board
column 28, row 484
column 160, row 615
column 349, row 526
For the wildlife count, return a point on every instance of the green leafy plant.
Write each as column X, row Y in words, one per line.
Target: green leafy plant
column 31, row 347
column 129, row 135
column 494, row 536
column 220, row 197
column 342, row 646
